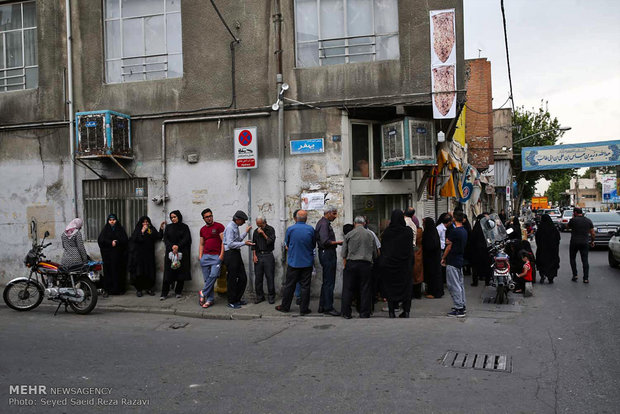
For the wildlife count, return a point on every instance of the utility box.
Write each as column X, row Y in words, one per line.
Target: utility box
column 103, row 134
column 409, row 142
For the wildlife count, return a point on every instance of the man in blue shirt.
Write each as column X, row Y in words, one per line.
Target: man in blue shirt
column 236, row 279
column 453, row 259
column 300, row 242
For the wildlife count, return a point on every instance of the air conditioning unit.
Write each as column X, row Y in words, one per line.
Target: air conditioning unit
column 103, row 133
column 409, row 142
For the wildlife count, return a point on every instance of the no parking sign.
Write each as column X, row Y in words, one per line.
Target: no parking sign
column 246, row 155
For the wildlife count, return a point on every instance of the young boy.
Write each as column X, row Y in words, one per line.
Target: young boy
column 526, row 274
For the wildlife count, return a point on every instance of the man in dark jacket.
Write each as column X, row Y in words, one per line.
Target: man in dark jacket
column 580, row 227
column 327, row 243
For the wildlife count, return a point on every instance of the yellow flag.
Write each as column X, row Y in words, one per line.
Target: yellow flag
column 459, row 132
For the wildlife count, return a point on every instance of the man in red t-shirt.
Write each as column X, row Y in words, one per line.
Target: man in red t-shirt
column 210, row 254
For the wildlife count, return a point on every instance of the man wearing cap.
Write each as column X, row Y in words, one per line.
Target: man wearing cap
column 580, row 227
column 236, row 279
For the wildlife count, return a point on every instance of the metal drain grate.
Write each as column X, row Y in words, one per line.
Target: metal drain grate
column 491, row 299
column 487, row 362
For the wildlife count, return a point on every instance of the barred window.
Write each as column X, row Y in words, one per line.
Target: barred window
column 142, row 40
column 127, row 198
column 19, row 67
column 329, row 32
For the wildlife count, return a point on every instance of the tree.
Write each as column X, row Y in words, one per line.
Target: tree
column 556, row 193
column 538, row 128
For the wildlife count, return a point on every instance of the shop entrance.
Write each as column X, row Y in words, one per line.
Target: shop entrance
column 377, row 208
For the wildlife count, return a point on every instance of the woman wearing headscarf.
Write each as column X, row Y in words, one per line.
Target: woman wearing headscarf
column 74, row 252
column 142, row 256
column 432, row 260
column 396, row 260
column 418, row 265
column 547, row 249
column 177, row 239
column 480, row 259
column 113, row 245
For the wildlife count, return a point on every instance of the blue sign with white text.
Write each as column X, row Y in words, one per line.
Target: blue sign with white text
column 587, row 154
column 307, row 146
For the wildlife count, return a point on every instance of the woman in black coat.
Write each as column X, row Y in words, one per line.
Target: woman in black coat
column 177, row 239
column 431, row 258
column 480, row 259
column 142, row 256
column 547, row 249
column 113, row 244
column 397, row 264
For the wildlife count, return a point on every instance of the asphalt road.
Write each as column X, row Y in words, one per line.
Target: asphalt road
column 562, row 343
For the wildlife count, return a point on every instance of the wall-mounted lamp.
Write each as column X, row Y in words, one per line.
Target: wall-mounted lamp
column 441, row 137
column 276, row 106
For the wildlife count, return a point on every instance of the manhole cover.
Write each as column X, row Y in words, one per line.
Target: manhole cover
column 487, row 362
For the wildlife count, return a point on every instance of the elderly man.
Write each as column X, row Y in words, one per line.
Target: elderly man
column 264, row 263
column 300, row 242
column 359, row 251
column 236, row 279
column 326, row 240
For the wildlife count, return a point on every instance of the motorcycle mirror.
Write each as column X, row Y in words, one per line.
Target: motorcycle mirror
column 510, row 230
column 47, row 233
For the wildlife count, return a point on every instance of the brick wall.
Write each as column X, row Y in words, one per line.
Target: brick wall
column 479, row 120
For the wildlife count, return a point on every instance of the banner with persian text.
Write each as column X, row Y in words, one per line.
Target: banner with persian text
column 556, row 157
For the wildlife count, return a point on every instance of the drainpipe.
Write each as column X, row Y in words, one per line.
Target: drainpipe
column 281, row 160
column 70, row 102
column 197, row 119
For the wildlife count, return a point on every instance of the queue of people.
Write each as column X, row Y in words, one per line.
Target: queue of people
column 391, row 267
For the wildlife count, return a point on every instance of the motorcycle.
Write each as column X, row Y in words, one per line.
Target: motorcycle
column 496, row 237
column 72, row 287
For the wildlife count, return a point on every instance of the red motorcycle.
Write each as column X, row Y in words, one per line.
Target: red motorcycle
column 68, row 286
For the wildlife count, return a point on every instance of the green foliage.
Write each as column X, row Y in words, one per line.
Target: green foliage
column 557, row 191
column 603, row 170
column 532, row 124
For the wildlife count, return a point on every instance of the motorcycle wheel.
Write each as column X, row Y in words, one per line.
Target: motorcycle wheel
column 500, row 296
column 23, row 295
column 90, row 296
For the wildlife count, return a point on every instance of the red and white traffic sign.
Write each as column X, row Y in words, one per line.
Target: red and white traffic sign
column 246, row 154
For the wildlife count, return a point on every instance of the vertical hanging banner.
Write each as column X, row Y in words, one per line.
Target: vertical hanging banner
column 246, row 154
column 443, row 63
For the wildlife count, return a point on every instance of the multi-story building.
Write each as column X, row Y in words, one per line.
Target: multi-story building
column 290, row 73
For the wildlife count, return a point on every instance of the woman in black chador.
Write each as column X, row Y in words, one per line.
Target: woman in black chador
column 480, row 258
column 397, row 264
column 431, row 257
column 177, row 239
column 113, row 244
column 547, row 249
column 142, row 256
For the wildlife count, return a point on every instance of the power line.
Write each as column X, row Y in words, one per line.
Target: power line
column 469, row 108
column 507, row 57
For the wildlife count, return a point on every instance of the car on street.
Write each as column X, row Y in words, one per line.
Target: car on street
column 564, row 219
column 613, row 256
column 554, row 213
column 606, row 224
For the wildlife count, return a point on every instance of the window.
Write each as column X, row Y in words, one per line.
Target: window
column 19, row 67
column 331, row 32
column 366, row 154
column 126, row 198
column 142, row 40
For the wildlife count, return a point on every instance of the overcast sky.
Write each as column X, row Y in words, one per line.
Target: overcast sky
column 566, row 52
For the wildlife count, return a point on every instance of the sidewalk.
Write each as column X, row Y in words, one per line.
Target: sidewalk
column 188, row 306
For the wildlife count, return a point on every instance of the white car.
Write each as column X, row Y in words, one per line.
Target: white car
column 614, row 250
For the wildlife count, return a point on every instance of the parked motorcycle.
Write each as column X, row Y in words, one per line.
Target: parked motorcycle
column 496, row 237
column 68, row 286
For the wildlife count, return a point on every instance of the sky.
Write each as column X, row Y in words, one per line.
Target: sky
column 563, row 52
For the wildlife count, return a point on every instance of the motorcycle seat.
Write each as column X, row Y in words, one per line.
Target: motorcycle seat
column 74, row 268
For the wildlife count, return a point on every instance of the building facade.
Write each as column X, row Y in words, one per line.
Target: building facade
column 191, row 77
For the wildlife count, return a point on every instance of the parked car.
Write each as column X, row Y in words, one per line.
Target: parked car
column 613, row 256
column 605, row 226
column 564, row 219
column 554, row 213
